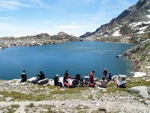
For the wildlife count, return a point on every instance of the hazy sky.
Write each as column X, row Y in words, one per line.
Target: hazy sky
column 31, row 17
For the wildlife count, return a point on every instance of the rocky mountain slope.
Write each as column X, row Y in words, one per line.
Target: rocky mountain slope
column 39, row 39
column 140, row 56
column 133, row 21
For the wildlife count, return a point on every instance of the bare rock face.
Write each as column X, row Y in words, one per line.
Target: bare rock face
column 141, row 90
column 140, row 56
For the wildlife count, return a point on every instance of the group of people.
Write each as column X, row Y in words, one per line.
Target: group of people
column 75, row 80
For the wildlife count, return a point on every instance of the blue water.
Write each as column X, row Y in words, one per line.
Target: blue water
column 76, row 57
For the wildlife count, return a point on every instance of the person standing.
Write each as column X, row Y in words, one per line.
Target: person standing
column 23, row 76
column 92, row 77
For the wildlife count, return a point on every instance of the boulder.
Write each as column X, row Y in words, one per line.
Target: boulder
column 141, row 90
column 43, row 81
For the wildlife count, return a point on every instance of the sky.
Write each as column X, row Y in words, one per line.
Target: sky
column 75, row 17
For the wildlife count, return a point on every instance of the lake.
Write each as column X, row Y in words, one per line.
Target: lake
column 76, row 57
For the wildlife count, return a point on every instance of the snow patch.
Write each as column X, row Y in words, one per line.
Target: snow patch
column 148, row 16
column 143, row 28
column 140, row 32
column 136, row 24
column 148, row 22
column 147, row 67
column 148, row 10
column 117, row 33
column 139, row 74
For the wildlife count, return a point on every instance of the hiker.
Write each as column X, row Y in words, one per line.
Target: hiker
column 66, row 76
column 40, row 76
column 56, row 81
column 105, row 73
column 103, row 82
column 76, row 81
column 86, row 79
column 91, row 76
column 123, row 83
column 23, row 76
column 109, row 77
column 92, row 84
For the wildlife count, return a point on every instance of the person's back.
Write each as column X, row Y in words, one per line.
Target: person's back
column 41, row 75
column 56, row 80
column 103, row 82
column 92, row 77
column 123, row 83
column 65, row 76
column 23, row 76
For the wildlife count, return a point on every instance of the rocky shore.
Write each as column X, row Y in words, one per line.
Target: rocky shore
column 26, row 97
column 140, row 56
column 40, row 39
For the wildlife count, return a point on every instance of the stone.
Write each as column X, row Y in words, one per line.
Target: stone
column 9, row 99
column 1, row 96
column 141, row 90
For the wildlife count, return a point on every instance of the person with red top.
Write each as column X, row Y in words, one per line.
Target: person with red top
column 92, row 77
column 92, row 84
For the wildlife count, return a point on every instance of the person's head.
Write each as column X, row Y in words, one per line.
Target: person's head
column 103, row 78
column 93, row 71
column 123, row 78
column 24, row 71
column 41, row 72
column 66, row 71
column 57, row 75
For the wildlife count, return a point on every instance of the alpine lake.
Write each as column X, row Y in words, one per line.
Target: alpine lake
column 76, row 57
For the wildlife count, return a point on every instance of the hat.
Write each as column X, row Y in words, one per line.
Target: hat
column 57, row 75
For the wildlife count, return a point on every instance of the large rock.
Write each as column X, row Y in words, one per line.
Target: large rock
column 141, row 90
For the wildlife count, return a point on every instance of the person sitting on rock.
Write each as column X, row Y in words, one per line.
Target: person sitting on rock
column 65, row 82
column 123, row 83
column 23, row 76
column 40, row 76
column 103, row 82
column 76, row 81
column 56, row 81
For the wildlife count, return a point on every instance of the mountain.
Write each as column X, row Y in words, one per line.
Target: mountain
column 36, row 40
column 133, row 21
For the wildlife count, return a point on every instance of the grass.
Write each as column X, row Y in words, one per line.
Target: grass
column 111, row 88
column 20, row 96
column 69, row 90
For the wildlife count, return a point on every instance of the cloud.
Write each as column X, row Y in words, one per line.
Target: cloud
column 6, row 5
column 40, row 3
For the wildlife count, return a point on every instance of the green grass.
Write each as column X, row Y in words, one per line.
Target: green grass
column 69, row 90
column 20, row 96
column 111, row 88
